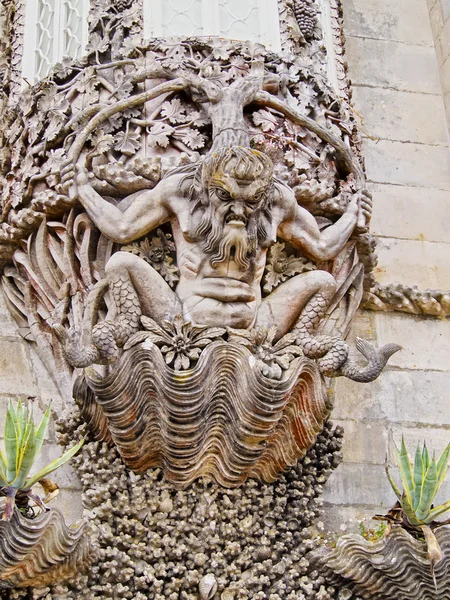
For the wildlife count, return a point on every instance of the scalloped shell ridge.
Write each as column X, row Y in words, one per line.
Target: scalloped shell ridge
column 221, row 419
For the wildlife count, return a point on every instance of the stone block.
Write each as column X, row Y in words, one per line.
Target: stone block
column 408, row 164
column 48, row 391
column 16, row 374
column 358, row 401
column 402, row 116
column 404, row 21
column 413, row 397
column 339, row 520
column 364, row 442
column 411, row 262
column 393, row 65
column 411, row 213
column 8, row 327
column 445, row 8
column 425, row 341
column 359, row 484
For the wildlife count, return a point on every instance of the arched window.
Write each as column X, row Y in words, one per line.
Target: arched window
column 254, row 20
column 53, row 29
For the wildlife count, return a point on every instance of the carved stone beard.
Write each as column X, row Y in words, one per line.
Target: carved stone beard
column 220, row 239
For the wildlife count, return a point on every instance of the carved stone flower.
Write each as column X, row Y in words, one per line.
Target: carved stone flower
column 280, row 266
column 271, row 358
column 180, row 342
column 156, row 252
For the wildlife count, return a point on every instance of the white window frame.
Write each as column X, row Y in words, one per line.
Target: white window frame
column 31, row 36
column 267, row 11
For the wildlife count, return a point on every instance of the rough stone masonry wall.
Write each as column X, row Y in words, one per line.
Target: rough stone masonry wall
column 393, row 67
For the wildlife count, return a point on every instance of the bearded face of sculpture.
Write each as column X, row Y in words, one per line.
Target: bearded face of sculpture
column 238, row 185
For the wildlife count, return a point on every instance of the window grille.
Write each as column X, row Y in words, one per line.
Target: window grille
column 53, row 29
column 253, row 20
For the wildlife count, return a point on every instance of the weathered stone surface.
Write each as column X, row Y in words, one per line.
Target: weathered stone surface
column 408, row 164
column 396, row 397
column 404, row 67
column 339, row 518
column 412, row 262
column 425, row 341
column 365, row 441
column 414, row 213
column 402, row 116
column 402, row 21
column 14, row 367
column 359, row 484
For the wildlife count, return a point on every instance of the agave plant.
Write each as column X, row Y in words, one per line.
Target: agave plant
column 23, row 443
column 421, row 482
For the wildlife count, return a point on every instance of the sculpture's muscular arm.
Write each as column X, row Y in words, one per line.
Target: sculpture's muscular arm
column 148, row 210
column 300, row 228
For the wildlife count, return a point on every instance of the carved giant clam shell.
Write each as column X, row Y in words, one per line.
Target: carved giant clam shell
column 43, row 550
column 223, row 418
column 397, row 566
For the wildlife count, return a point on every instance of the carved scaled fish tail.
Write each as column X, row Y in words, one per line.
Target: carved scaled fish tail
column 107, row 336
column 331, row 352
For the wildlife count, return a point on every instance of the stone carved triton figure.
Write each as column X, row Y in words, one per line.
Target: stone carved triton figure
column 225, row 213
column 222, row 374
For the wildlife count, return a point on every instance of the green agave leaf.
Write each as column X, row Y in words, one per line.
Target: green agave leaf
column 425, row 457
column 3, row 481
column 23, row 443
column 27, row 455
column 428, row 491
column 53, row 466
column 409, row 511
column 392, row 482
column 442, row 466
column 437, row 511
column 406, row 473
column 11, row 442
column 42, row 428
column 419, row 475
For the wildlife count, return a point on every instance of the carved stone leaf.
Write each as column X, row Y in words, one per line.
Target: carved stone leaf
column 97, row 43
column 55, row 159
column 102, row 142
column 174, row 111
column 266, row 120
column 127, row 142
column 192, row 138
column 239, row 67
column 159, row 135
column 199, row 118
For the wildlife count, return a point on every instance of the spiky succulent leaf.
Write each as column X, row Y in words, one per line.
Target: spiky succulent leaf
column 3, row 482
column 409, row 511
column 428, row 491
column 52, row 466
column 42, row 428
column 437, row 511
column 27, row 455
column 12, row 435
column 425, row 457
column 419, row 474
column 392, row 482
column 442, row 466
column 406, row 473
